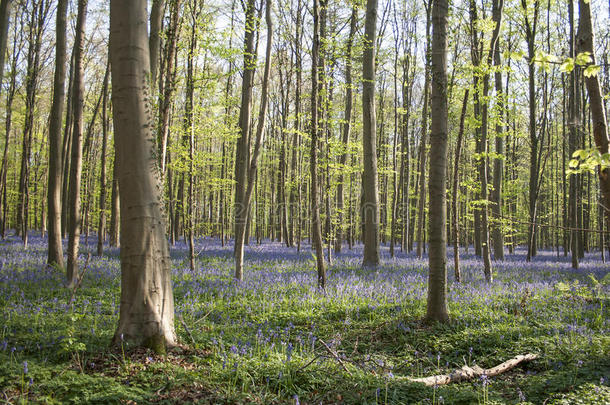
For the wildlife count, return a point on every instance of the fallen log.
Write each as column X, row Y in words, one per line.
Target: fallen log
column 468, row 373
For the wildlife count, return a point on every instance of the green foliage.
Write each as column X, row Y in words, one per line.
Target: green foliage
column 587, row 161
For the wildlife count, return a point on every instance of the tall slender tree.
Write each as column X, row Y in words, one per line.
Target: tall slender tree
column 243, row 144
column 76, row 164
column 55, row 249
column 346, row 130
column 253, row 161
column 101, row 229
column 437, row 276
column 316, row 226
column 370, row 201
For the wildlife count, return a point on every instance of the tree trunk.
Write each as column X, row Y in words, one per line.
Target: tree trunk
column 573, row 144
column 156, row 18
column 424, row 135
column 437, row 279
column 530, row 34
column 115, row 209
column 66, row 151
column 77, row 148
column 316, row 232
column 4, row 19
column 456, row 190
column 169, row 79
column 189, row 130
column 147, row 304
column 55, row 249
column 496, row 197
column 347, row 126
column 585, row 41
column 251, row 172
column 101, row 229
column 241, row 154
column 370, row 208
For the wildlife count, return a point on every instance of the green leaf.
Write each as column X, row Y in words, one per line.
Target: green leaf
column 591, row 70
column 583, row 58
column 567, row 66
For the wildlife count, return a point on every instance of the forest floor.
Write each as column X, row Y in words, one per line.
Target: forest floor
column 263, row 340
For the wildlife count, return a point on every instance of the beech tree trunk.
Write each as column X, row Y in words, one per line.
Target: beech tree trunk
column 77, row 148
column 154, row 42
column 316, row 231
column 496, row 195
column 573, row 144
column 585, row 41
column 347, row 126
column 168, row 77
column 10, row 96
column 370, row 201
column 455, row 192
column 101, row 229
column 422, row 145
column 251, row 172
column 437, row 276
column 242, row 150
column 115, row 209
column 147, row 305
column 530, row 35
column 37, row 21
column 55, row 249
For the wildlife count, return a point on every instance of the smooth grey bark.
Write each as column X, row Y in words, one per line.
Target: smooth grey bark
column 240, row 235
column 168, row 78
column 585, row 43
column 5, row 11
column 497, row 7
column 316, row 231
column 76, row 164
column 5, row 14
column 242, row 149
column 38, row 15
column 498, row 169
column 66, row 149
column 437, row 276
column 189, row 130
column 10, row 96
column 424, row 134
column 101, row 229
column 346, row 129
column 295, row 188
column 154, row 42
column 530, row 35
column 573, row 143
column 115, row 209
column 370, row 200
column 55, row 248
column 147, row 305
column 455, row 192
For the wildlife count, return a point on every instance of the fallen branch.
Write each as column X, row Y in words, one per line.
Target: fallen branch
column 468, row 373
column 335, row 356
